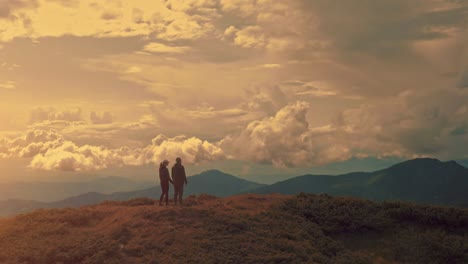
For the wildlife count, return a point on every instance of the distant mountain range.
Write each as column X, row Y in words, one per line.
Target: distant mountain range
column 420, row 180
column 52, row 191
column 212, row 182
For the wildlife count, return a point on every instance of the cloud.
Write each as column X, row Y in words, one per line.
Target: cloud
column 192, row 5
column 412, row 124
column 230, row 31
column 50, row 151
column 460, row 130
column 33, row 19
column 7, row 66
column 355, row 27
column 51, row 114
column 463, row 80
column 265, row 99
column 134, row 133
column 185, row 66
column 211, row 113
column 422, row 123
column 110, row 15
column 161, row 48
column 8, row 85
column 8, row 6
column 268, row 66
column 195, row 120
column 133, row 69
column 101, row 118
column 250, row 37
column 192, row 150
column 30, row 144
column 313, row 88
column 271, row 25
column 69, row 157
column 285, row 140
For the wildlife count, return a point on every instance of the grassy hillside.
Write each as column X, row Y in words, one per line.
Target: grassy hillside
column 240, row 229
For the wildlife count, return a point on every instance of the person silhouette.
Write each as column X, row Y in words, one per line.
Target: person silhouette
column 179, row 177
column 164, row 179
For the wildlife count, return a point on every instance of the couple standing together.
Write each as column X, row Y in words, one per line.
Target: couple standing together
column 179, row 178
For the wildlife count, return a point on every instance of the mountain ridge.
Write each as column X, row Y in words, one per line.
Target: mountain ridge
column 403, row 181
column 46, row 191
column 212, row 182
column 423, row 180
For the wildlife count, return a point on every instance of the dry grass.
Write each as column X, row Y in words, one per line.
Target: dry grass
column 239, row 229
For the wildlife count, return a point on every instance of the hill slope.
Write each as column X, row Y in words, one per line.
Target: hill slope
column 419, row 180
column 242, row 229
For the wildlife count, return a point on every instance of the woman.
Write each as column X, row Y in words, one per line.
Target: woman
column 164, row 179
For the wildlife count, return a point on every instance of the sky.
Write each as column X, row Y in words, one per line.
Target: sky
column 259, row 88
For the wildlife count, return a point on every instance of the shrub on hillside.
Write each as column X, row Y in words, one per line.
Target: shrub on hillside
column 428, row 246
column 337, row 215
column 436, row 216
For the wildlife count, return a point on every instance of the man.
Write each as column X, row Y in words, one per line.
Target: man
column 179, row 177
column 164, row 180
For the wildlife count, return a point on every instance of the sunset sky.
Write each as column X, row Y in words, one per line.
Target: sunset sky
column 250, row 87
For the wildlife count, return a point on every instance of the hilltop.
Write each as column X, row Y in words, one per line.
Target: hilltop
column 305, row 228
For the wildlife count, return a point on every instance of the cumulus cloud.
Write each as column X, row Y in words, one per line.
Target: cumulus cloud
column 69, row 157
column 319, row 52
column 52, row 114
column 171, row 21
column 30, row 144
column 250, row 37
column 413, row 124
column 265, row 99
column 285, row 140
column 101, row 118
column 192, row 150
column 51, row 151
column 273, row 25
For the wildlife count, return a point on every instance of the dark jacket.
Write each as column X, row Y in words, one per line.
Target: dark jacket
column 178, row 174
column 164, row 174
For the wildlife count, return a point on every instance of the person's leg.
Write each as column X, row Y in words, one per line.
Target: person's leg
column 176, row 193
column 165, row 189
column 161, row 198
column 167, row 197
column 181, row 193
